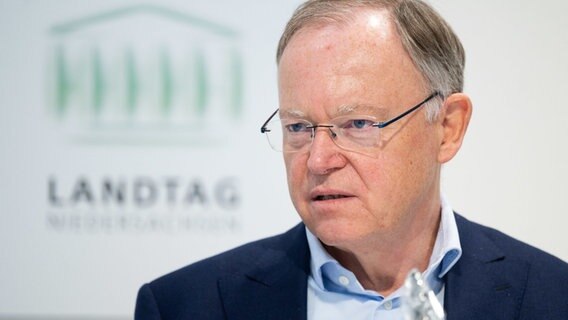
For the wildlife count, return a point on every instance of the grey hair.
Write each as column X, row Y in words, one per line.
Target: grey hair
column 431, row 43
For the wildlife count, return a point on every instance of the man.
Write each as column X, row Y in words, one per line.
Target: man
column 371, row 106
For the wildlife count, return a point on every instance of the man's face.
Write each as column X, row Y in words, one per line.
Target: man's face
column 345, row 197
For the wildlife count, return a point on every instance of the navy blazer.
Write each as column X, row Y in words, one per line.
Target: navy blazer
column 497, row 277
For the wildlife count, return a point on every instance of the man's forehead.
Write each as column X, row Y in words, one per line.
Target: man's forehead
column 359, row 25
column 358, row 68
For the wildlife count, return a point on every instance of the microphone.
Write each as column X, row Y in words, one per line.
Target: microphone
column 418, row 301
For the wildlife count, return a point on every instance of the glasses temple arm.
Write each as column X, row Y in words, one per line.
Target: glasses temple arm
column 386, row 123
column 263, row 129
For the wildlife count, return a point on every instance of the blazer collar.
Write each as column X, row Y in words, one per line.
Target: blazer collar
column 278, row 278
column 484, row 283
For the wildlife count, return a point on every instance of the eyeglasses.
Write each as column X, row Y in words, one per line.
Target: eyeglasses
column 358, row 133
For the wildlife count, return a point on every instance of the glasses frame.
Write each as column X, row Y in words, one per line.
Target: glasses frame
column 379, row 125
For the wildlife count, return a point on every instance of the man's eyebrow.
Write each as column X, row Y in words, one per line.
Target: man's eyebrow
column 361, row 109
column 291, row 114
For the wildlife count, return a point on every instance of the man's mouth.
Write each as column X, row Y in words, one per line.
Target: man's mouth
column 329, row 197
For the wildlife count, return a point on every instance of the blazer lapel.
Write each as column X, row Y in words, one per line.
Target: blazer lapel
column 484, row 283
column 276, row 287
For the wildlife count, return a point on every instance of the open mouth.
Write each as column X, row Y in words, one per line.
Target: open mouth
column 329, row 197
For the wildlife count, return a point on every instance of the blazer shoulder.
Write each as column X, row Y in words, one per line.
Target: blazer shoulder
column 201, row 277
column 192, row 292
column 500, row 277
column 508, row 246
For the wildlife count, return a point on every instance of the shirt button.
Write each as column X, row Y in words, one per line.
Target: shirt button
column 344, row 280
column 388, row 305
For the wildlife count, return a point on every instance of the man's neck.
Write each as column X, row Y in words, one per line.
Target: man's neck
column 382, row 263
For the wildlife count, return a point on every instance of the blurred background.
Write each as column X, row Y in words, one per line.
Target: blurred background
column 130, row 141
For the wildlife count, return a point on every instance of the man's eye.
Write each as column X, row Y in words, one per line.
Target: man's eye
column 358, row 124
column 296, row 127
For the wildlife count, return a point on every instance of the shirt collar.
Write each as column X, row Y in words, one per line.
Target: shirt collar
column 447, row 250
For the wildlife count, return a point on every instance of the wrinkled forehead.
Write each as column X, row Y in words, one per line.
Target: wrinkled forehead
column 338, row 14
column 357, row 25
column 342, row 69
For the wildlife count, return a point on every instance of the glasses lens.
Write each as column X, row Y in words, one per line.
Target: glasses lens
column 356, row 133
column 288, row 135
column 352, row 133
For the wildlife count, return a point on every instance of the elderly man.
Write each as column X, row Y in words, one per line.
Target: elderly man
column 371, row 106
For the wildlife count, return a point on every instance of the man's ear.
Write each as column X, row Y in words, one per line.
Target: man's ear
column 455, row 116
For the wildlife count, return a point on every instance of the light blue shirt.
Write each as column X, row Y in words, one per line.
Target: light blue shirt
column 335, row 293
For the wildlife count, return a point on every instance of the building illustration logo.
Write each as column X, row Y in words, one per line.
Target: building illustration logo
column 145, row 74
column 150, row 76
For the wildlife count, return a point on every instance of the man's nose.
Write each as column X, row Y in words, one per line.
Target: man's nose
column 324, row 155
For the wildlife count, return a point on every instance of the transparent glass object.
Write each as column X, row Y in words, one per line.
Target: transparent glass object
column 419, row 302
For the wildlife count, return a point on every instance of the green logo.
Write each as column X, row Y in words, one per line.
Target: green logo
column 145, row 74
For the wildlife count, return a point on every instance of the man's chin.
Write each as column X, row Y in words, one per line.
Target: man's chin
column 338, row 234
